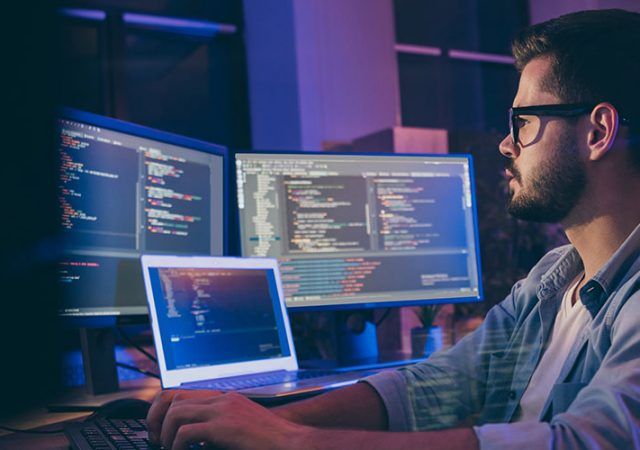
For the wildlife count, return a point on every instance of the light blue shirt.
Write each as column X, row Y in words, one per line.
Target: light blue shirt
column 595, row 402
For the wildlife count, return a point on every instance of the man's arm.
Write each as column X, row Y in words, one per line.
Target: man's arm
column 357, row 406
column 179, row 419
column 452, row 439
column 357, row 410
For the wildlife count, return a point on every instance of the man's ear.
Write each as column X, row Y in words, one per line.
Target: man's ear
column 603, row 124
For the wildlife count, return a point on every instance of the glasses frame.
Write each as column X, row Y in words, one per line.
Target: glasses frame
column 557, row 110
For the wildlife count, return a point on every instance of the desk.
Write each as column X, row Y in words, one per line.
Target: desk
column 42, row 419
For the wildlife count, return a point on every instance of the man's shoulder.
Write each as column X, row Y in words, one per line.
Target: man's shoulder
column 625, row 299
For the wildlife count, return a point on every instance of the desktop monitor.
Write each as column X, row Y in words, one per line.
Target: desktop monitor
column 362, row 231
column 127, row 190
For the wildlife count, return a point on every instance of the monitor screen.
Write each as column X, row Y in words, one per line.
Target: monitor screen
column 127, row 190
column 353, row 231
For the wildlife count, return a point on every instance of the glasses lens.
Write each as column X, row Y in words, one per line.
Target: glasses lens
column 525, row 128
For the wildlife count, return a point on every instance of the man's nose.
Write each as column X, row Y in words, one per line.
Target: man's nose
column 508, row 148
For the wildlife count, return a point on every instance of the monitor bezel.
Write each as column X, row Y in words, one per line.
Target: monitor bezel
column 366, row 305
column 121, row 126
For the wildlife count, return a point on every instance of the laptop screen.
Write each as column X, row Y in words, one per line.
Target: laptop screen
column 212, row 316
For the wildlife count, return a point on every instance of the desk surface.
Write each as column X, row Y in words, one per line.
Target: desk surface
column 42, row 419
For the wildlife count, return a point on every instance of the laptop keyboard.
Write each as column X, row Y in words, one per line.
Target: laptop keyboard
column 234, row 384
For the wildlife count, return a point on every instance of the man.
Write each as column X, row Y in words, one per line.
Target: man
column 557, row 363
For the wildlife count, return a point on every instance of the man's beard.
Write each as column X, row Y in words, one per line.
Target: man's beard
column 553, row 188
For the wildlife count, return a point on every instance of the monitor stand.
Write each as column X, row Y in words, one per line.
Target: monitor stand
column 99, row 360
column 100, row 372
column 357, row 341
column 354, row 345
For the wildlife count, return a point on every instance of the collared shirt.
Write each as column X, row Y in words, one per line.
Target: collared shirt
column 569, row 323
column 595, row 401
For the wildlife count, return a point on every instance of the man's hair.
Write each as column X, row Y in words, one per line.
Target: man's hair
column 595, row 58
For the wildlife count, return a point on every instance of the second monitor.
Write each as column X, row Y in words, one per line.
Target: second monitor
column 353, row 230
column 128, row 190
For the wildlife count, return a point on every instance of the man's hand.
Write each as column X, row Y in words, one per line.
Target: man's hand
column 178, row 419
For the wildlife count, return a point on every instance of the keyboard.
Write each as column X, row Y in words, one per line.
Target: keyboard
column 109, row 434
column 252, row 381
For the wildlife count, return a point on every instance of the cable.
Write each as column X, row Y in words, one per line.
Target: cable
column 137, row 369
column 17, row 430
column 136, row 346
column 384, row 316
column 141, row 350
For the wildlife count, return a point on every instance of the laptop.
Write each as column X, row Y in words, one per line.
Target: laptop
column 221, row 323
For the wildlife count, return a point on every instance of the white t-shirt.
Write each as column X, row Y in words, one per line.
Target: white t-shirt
column 570, row 321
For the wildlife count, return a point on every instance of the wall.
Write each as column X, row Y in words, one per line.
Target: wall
column 319, row 71
column 541, row 10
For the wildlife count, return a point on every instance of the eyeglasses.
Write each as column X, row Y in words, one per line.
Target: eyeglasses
column 524, row 122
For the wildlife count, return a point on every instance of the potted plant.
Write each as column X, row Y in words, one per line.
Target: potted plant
column 427, row 338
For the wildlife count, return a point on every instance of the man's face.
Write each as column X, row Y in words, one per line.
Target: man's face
column 546, row 175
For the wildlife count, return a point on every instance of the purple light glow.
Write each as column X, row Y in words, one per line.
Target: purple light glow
column 183, row 26
column 85, row 14
column 481, row 57
column 418, row 49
